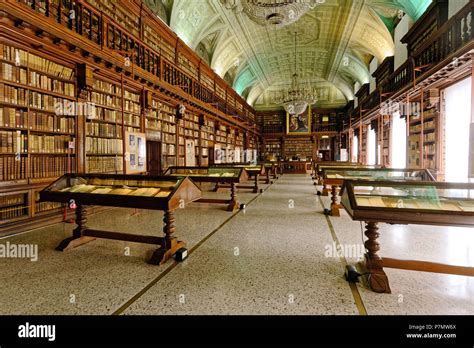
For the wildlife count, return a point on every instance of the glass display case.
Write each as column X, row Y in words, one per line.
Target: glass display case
column 406, row 202
column 271, row 170
column 320, row 166
column 296, row 167
column 127, row 191
column 315, row 169
column 227, row 177
column 253, row 172
column 335, row 177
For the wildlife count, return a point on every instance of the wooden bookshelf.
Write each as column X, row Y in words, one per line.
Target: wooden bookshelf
column 42, row 76
column 104, row 128
column 37, row 131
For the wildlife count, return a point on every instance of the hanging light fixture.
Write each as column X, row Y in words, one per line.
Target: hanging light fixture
column 296, row 99
column 275, row 13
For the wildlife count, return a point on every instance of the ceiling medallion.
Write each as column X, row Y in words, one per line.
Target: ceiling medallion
column 296, row 99
column 274, row 13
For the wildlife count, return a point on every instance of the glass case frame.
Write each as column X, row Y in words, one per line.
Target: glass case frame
column 431, row 192
column 181, row 191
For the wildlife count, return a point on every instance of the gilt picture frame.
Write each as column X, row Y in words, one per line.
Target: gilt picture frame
column 299, row 124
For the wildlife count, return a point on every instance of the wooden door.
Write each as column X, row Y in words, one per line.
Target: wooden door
column 153, row 154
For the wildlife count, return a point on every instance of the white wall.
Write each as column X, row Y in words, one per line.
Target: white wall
column 455, row 5
column 374, row 63
column 401, row 49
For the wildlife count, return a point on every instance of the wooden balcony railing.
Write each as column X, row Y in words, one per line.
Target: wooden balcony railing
column 92, row 24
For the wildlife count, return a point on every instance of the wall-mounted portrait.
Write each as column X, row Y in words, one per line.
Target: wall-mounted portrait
column 299, row 124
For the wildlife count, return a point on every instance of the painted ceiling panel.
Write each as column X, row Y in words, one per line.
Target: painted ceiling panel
column 335, row 43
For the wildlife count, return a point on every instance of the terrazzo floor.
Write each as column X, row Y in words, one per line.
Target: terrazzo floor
column 274, row 257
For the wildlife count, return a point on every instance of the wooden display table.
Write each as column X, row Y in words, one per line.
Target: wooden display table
column 395, row 202
column 128, row 191
column 296, row 167
column 317, row 168
column 229, row 176
column 253, row 171
column 271, row 170
column 335, row 177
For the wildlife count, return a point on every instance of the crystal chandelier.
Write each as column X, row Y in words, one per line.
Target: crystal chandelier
column 296, row 99
column 276, row 13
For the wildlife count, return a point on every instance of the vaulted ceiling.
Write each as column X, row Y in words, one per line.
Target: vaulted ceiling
column 336, row 42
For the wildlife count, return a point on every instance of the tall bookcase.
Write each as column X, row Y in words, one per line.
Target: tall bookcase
column 423, row 137
column 37, row 129
column 207, row 139
column 104, row 130
column 386, row 140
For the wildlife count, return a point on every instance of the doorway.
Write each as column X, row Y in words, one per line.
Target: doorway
column 153, row 157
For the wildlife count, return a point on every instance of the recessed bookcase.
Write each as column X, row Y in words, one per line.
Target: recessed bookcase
column 423, row 130
column 104, row 129
column 37, row 128
column 207, row 139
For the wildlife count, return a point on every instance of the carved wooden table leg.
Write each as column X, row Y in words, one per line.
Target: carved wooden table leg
column 170, row 244
column 334, row 205
column 233, row 204
column 255, row 185
column 78, row 237
column 378, row 280
column 325, row 190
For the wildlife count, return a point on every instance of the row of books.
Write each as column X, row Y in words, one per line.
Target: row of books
column 13, row 95
column 103, row 145
column 153, row 124
column 46, row 102
column 191, row 133
column 13, row 54
column 103, row 130
column 105, row 99
column 169, row 138
column 131, row 106
column 45, row 206
column 430, row 137
column 13, row 212
column 96, row 164
column 132, row 120
column 8, row 72
column 51, row 166
column 49, row 143
column 107, row 87
column 131, row 96
column 429, row 149
column 11, row 117
column 44, row 82
column 12, row 168
column 10, row 200
column 191, row 125
column 21, row 57
column 104, row 114
column 168, row 149
column 50, row 67
column 15, row 142
column 48, row 122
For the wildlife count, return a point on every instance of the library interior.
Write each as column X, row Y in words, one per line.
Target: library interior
column 237, row 157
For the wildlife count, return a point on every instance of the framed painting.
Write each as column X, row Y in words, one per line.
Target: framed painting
column 299, row 124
